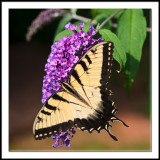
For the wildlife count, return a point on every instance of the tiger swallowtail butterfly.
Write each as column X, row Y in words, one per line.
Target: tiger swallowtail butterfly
column 83, row 100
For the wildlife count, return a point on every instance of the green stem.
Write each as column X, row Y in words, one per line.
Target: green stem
column 105, row 21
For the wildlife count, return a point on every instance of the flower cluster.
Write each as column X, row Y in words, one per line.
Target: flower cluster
column 63, row 138
column 42, row 19
column 64, row 55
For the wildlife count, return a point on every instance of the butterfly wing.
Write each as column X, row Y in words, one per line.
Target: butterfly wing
column 53, row 117
column 94, row 68
column 85, row 103
column 58, row 114
column 89, row 78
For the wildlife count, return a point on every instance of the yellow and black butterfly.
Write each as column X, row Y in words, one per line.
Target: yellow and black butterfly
column 83, row 102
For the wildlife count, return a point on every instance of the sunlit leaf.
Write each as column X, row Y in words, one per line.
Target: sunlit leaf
column 119, row 52
column 86, row 27
column 62, row 24
column 63, row 33
column 131, row 31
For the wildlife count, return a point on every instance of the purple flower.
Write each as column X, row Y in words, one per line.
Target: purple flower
column 91, row 31
column 73, row 37
column 81, row 25
column 73, row 27
column 53, row 62
column 67, row 25
column 92, row 41
column 77, row 45
column 63, row 61
column 72, row 50
column 100, row 40
column 42, row 19
column 63, row 138
column 65, row 53
column 81, row 33
column 91, row 28
column 70, row 26
column 84, row 42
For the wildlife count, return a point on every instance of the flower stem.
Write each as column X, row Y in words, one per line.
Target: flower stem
column 94, row 22
column 77, row 17
column 105, row 21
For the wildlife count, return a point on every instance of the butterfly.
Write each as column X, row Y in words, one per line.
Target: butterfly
column 83, row 102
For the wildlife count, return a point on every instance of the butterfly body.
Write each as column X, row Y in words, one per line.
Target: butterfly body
column 83, row 100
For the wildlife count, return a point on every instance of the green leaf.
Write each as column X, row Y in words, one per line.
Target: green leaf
column 119, row 52
column 101, row 17
column 78, row 22
column 62, row 24
column 108, row 12
column 86, row 27
column 97, row 26
column 131, row 31
column 63, row 33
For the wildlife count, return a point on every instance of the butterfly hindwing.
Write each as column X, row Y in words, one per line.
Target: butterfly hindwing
column 59, row 113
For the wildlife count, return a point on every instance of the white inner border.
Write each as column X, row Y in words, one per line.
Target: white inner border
column 5, row 81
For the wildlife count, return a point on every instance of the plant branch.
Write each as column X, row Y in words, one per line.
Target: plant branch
column 105, row 21
column 94, row 22
column 84, row 19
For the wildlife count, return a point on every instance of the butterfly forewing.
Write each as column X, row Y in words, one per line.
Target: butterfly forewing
column 58, row 114
column 94, row 68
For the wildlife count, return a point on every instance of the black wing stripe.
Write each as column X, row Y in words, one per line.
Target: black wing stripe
column 56, row 96
column 76, row 76
column 45, row 112
column 50, row 107
column 88, row 59
column 83, row 64
column 39, row 118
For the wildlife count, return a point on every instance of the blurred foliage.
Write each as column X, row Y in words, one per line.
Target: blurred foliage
column 18, row 26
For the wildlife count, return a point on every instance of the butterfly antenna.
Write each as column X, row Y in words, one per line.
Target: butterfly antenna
column 106, row 128
column 115, row 118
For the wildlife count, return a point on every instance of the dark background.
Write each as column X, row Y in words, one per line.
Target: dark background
column 26, row 70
